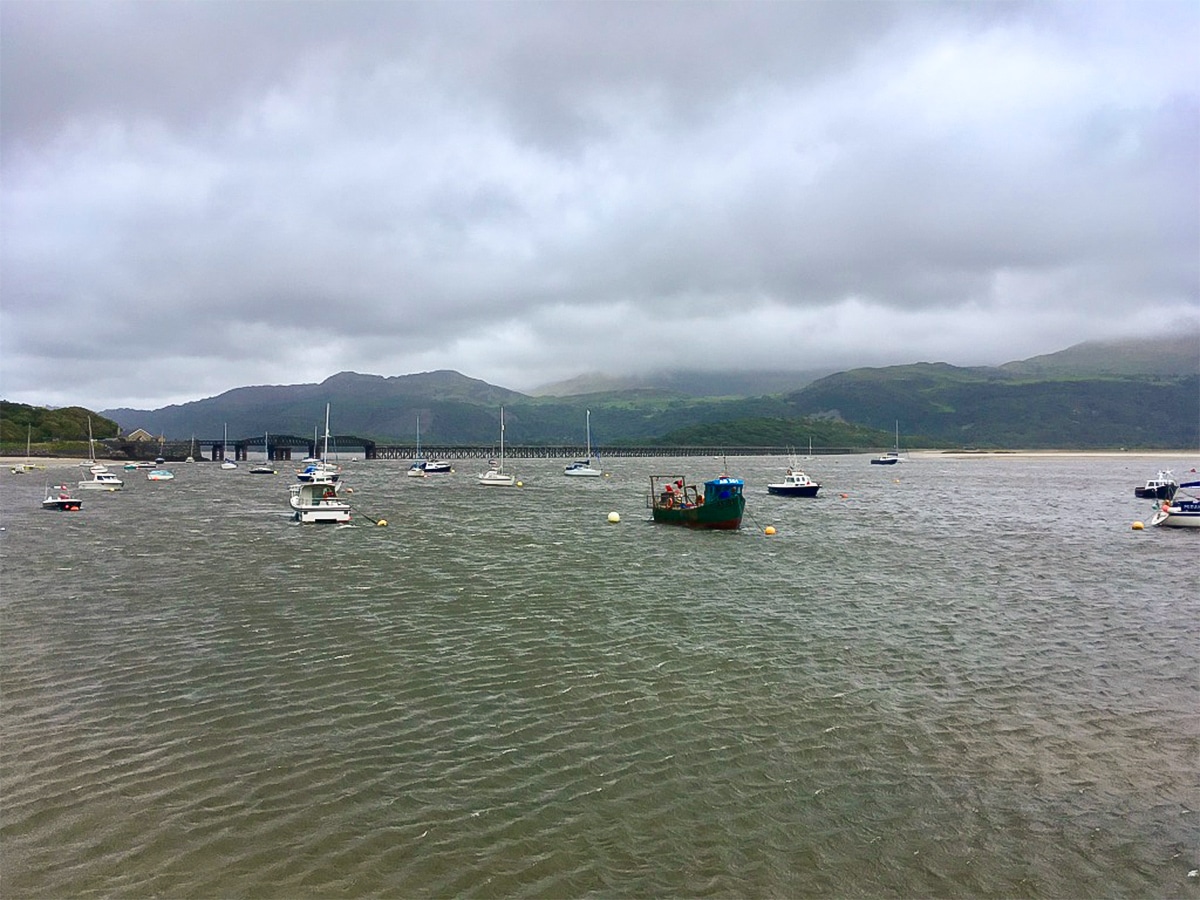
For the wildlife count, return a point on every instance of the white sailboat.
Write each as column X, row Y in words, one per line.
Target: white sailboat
column 90, row 462
column 417, row 469
column 226, row 463
column 495, row 477
column 583, row 468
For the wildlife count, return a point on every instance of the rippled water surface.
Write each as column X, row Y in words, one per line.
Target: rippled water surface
column 957, row 676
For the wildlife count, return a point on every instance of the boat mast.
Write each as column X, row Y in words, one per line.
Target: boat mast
column 325, row 455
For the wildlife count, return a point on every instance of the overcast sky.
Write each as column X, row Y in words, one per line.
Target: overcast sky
column 199, row 196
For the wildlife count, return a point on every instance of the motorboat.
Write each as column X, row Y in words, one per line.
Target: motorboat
column 62, row 500
column 1161, row 487
column 795, row 484
column 438, row 467
column 1182, row 510
column 495, row 476
column 160, row 475
column 101, row 481
column 314, row 498
column 261, row 470
column 675, row 502
column 583, row 468
column 317, row 502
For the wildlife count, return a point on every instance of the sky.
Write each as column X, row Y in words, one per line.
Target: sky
column 197, row 196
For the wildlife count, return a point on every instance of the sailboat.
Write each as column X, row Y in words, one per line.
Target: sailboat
column 90, row 462
column 315, row 497
column 582, row 468
column 102, row 479
column 892, row 456
column 495, row 476
column 27, row 466
column 417, row 469
column 226, row 463
column 192, row 453
column 265, row 468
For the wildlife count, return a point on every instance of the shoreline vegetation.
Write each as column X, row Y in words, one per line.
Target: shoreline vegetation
column 9, row 461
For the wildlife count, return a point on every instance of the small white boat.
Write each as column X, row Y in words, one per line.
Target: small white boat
column 317, row 502
column 795, row 484
column 160, row 475
column 226, row 463
column 315, row 497
column 1182, row 511
column 62, row 500
column 495, row 476
column 102, row 481
column 583, row 468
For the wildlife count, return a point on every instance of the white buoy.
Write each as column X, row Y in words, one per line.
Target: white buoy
column 614, row 517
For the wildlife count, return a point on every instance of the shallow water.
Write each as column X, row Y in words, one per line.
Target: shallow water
column 956, row 676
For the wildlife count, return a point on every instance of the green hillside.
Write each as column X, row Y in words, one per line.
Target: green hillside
column 17, row 421
column 992, row 408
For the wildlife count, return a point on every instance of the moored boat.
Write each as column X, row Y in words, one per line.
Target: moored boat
column 495, row 476
column 675, row 502
column 317, row 502
column 1161, row 487
column 101, row 481
column 1182, row 511
column 795, row 484
column 62, row 500
column 892, row 456
column 315, row 498
column 583, row 468
column 160, row 475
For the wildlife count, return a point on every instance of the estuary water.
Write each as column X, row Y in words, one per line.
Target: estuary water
column 959, row 676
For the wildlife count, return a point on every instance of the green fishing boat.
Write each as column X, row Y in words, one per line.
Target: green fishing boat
column 675, row 502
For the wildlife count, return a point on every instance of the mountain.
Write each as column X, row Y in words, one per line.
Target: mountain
column 1174, row 355
column 686, row 383
column 453, row 408
column 1119, row 394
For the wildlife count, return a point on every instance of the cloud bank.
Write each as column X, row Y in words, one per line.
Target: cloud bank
column 196, row 196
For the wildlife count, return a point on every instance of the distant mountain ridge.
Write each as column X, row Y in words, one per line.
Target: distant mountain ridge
column 1140, row 393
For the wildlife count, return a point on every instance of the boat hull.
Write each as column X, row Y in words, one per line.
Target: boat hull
column 1185, row 515
column 114, row 485
column 65, row 504
column 722, row 515
column 884, row 461
column 793, row 490
column 1159, row 492
column 582, row 472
